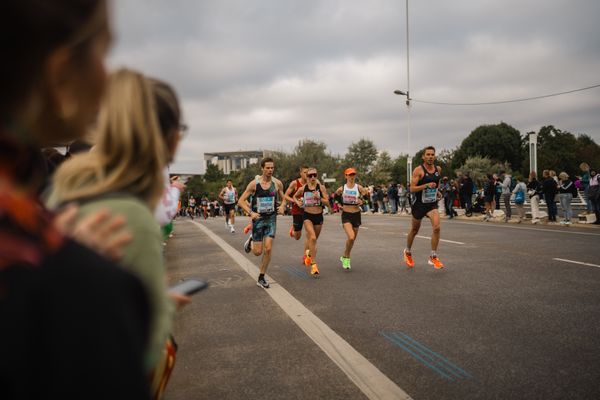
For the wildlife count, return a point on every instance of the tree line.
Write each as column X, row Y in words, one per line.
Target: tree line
column 488, row 148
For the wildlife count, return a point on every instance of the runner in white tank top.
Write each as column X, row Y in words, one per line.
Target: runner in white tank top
column 228, row 196
column 350, row 196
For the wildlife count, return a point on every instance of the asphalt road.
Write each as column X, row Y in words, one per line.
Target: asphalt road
column 514, row 315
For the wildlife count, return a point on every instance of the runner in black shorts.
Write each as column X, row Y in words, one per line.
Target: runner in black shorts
column 351, row 195
column 424, row 184
column 312, row 197
column 297, row 212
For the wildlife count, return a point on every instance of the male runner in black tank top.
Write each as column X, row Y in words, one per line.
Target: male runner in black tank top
column 424, row 184
column 263, row 211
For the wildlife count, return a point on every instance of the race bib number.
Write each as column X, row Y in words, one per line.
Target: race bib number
column 429, row 195
column 312, row 199
column 348, row 198
column 265, row 205
column 230, row 197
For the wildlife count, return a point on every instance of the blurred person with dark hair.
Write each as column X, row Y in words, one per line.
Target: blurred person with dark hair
column 489, row 193
column 466, row 193
column 594, row 193
column 550, row 188
column 585, row 182
column 74, row 323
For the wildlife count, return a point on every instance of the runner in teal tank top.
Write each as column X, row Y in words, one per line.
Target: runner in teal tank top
column 263, row 211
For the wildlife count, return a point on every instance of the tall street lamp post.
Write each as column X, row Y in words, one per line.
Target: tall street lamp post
column 407, row 94
column 533, row 152
column 409, row 156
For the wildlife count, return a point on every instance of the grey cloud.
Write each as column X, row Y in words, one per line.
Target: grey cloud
column 267, row 73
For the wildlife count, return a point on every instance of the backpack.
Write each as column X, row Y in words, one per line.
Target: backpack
column 520, row 197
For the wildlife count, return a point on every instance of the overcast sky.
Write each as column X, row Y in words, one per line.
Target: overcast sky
column 264, row 74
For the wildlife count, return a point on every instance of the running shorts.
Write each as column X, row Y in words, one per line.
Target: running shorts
column 228, row 207
column 265, row 226
column 297, row 222
column 316, row 219
column 351, row 218
column 419, row 211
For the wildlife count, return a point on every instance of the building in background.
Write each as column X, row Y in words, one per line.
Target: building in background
column 229, row 161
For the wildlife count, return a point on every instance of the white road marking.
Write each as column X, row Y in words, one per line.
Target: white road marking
column 370, row 380
column 519, row 226
column 441, row 240
column 577, row 262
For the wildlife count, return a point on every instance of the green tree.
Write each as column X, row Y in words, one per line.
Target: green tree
column 479, row 167
column 315, row 154
column 194, row 187
column 381, row 172
column 213, row 174
column 308, row 152
column 557, row 150
column 398, row 170
column 361, row 155
column 588, row 151
column 499, row 142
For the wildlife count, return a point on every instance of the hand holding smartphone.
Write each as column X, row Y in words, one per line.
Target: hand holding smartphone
column 188, row 287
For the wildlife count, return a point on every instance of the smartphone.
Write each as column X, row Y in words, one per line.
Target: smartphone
column 188, row 287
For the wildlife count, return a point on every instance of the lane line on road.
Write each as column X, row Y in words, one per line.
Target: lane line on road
column 370, row 380
column 441, row 240
column 577, row 262
column 521, row 227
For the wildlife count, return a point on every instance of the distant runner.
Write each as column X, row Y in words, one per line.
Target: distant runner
column 228, row 196
column 191, row 207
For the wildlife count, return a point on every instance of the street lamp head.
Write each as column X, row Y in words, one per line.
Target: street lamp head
column 399, row 92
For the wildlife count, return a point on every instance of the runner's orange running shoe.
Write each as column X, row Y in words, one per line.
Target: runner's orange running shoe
column 314, row 271
column 307, row 259
column 435, row 261
column 408, row 259
column 292, row 231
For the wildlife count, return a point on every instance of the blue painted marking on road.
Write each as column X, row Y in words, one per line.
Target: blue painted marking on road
column 458, row 371
column 295, row 272
column 416, row 356
column 442, row 366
